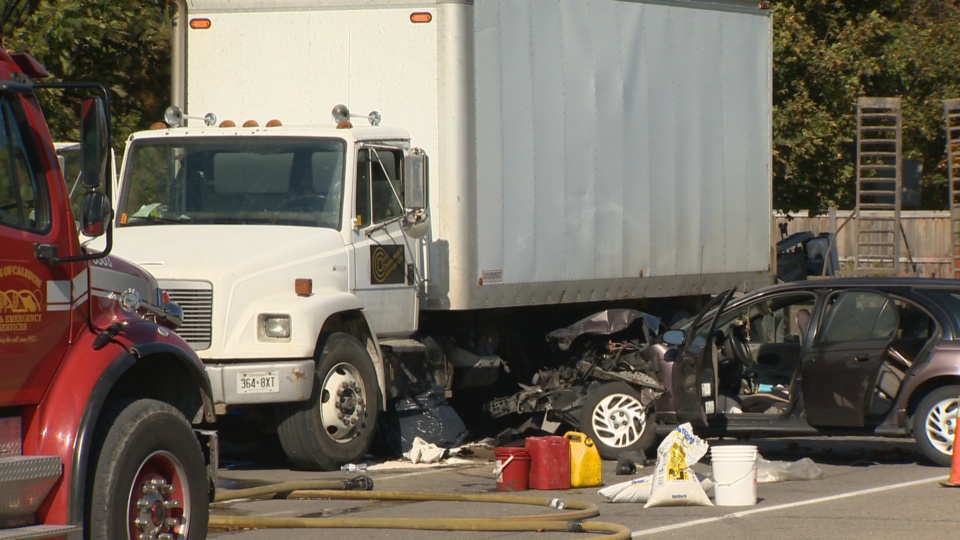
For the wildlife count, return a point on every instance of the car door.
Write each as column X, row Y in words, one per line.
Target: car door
column 385, row 258
column 694, row 375
column 841, row 368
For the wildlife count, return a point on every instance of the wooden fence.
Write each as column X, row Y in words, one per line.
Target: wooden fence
column 927, row 234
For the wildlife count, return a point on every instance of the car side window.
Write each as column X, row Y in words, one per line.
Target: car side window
column 777, row 319
column 853, row 316
column 24, row 203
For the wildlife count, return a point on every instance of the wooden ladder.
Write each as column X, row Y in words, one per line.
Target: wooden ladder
column 879, row 186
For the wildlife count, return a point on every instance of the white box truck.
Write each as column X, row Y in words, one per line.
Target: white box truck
column 536, row 161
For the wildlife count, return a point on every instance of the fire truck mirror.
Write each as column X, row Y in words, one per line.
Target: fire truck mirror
column 93, row 140
column 94, row 213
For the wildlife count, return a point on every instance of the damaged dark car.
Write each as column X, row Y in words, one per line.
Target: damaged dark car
column 855, row 356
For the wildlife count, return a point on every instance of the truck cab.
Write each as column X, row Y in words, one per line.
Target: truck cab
column 99, row 397
column 286, row 237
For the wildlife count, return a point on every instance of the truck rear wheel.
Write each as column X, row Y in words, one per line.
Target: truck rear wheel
column 337, row 424
column 149, row 476
column 613, row 416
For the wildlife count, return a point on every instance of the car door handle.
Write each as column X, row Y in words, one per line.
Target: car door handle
column 861, row 357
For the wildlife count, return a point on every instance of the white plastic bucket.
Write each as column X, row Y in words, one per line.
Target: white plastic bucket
column 734, row 475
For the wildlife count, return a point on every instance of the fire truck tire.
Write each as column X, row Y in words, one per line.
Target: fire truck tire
column 615, row 418
column 149, row 476
column 338, row 423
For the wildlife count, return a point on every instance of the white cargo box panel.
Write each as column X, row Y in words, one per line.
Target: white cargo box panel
column 580, row 150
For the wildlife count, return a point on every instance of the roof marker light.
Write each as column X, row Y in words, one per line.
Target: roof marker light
column 274, row 123
column 228, row 123
column 421, row 17
column 200, row 24
column 251, row 123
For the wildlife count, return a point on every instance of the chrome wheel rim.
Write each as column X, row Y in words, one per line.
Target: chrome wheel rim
column 342, row 402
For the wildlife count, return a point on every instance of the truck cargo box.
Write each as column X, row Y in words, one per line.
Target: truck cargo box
column 580, row 150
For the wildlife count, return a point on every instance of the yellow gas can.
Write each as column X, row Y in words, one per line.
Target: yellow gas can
column 585, row 463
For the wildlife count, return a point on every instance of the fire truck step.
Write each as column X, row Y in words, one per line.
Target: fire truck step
column 24, row 484
column 38, row 531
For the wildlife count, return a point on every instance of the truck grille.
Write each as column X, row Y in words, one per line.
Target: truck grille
column 196, row 299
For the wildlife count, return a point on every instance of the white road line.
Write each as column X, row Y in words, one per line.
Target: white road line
column 685, row 524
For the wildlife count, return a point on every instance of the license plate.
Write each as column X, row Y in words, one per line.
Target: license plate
column 258, row 382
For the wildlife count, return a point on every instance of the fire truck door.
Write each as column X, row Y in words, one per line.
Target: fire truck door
column 35, row 298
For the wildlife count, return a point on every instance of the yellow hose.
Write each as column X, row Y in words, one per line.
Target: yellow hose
column 564, row 521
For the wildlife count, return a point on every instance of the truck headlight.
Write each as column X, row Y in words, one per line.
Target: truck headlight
column 273, row 327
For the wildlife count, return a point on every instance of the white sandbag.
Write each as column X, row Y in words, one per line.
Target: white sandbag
column 638, row 490
column 674, row 481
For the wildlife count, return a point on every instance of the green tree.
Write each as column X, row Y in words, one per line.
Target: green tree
column 121, row 43
column 827, row 53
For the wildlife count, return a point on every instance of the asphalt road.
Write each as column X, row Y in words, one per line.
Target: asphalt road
column 871, row 488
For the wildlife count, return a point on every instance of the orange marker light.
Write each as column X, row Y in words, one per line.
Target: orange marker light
column 421, row 17
column 251, row 123
column 303, row 286
column 200, row 24
column 228, row 123
column 274, row 123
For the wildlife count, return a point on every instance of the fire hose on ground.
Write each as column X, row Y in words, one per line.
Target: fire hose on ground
column 571, row 518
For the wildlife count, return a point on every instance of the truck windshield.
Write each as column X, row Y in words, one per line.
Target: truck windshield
column 231, row 180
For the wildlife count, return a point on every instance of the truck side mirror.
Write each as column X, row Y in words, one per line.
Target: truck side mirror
column 93, row 142
column 94, row 213
column 415, row 180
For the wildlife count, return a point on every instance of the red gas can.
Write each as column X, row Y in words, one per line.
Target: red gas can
column 549, row 462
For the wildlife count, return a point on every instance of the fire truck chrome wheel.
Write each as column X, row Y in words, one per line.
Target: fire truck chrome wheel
column 149, row 477
column 615, row 418
column 935, row 422
column 342, row 406
column 156, row 509
column 337, row 423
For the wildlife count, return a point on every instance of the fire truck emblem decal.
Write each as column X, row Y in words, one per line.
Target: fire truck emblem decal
column 20, row 303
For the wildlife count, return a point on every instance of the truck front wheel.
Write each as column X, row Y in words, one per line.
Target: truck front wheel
column 613, row 416
column 149, row 477
column 337, row 424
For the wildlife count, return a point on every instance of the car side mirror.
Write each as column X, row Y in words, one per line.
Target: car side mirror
column 94, row 213
column 673, row 337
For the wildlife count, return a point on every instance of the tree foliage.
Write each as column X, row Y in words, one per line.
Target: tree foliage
column 827, row 53
column 121, row 43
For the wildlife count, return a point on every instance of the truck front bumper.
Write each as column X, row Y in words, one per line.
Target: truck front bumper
column 261, row 382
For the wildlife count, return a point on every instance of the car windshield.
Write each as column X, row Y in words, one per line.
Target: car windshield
column 230, row 180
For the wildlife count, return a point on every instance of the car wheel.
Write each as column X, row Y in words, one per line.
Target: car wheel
column 934, row 423
column 149, row 476
column 337, row 424
column 613, row 416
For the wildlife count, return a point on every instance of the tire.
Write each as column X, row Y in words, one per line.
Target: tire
column 312, row 432
column 149, row 475
column 934, row 423
column 614, row 417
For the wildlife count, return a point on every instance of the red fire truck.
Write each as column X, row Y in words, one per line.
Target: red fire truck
column 101, row 403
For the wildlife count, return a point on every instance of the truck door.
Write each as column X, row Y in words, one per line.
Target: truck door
column 695, row 371
column 839, row 370
column 35, row 298
column 385, row 257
